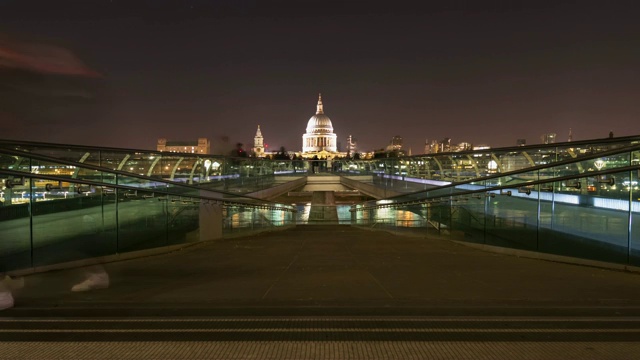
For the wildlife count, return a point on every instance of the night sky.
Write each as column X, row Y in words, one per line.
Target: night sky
column 485, row 72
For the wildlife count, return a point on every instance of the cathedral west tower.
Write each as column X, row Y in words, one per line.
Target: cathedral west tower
column 258, row 144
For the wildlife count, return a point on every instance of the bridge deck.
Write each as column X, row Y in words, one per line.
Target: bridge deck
column 291, row 294
column 336, row 265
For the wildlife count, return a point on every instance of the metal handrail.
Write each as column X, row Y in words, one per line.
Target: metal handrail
column 532, row 168
column 271, row 205
column 494, row 188
column 111, row 171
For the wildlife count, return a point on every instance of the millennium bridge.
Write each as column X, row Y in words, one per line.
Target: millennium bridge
column 462, row 255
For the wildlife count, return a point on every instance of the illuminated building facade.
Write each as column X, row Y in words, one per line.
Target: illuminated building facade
column 549, row 138
column 319, row 140
column 352, row 147
column 202, row 146
column 258, row 144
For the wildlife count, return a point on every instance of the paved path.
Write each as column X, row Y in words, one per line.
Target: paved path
column 330, row 292
column 338, row 266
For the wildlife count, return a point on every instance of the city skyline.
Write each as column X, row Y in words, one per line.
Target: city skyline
column 488, row 73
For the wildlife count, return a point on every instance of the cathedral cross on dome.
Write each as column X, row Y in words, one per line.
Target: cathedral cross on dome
column 319, row 108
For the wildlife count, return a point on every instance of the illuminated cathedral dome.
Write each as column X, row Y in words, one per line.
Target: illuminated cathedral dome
column 319, row 123
column 319, row 136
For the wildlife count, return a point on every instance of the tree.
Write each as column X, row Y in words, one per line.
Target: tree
column 282, row 154
column 239, row 151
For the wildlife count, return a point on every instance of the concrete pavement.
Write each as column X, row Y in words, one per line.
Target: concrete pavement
column 330, row 292
column 336, row 265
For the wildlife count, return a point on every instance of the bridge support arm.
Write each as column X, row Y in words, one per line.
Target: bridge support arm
column 210, row 221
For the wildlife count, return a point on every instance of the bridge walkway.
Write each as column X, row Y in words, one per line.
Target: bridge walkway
column 330, row 292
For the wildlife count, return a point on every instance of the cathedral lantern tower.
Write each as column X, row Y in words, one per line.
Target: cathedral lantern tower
column 258, row 144
column 319, row 138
